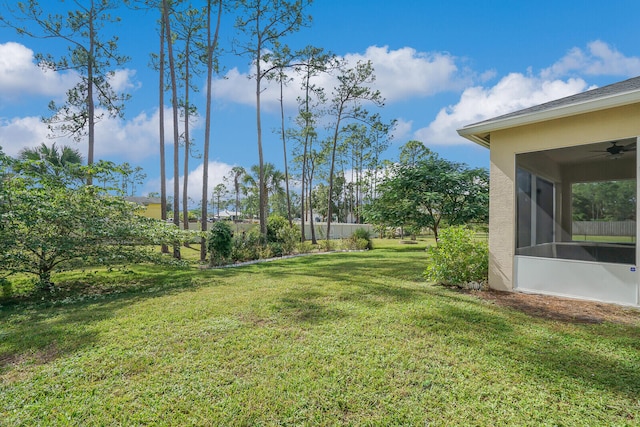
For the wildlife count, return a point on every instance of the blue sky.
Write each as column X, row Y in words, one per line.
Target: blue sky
column 440, row 65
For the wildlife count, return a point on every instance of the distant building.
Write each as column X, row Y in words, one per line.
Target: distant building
column 150, row 206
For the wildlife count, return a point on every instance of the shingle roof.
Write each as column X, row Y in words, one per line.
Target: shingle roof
column 613, row 95
column 141, row 200
column 625, row 86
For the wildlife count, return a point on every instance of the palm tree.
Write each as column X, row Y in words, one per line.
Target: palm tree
column 272, row 184
column 51, row 160
column 236, row 178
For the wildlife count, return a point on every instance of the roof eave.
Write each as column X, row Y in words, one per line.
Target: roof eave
column 474, row 132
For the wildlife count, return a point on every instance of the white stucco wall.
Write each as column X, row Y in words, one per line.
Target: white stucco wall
column 606, row 125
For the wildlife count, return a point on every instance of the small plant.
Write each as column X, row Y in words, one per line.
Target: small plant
column 275, row 223
column 458, row 259
column 220, row 243
column 355, row 244
column 276, row 249
column 327, row 245
column 304, row 247
column 362, row 234
column 247, row 246
column 288, row 237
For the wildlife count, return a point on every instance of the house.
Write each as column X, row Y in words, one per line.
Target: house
column 150, row 206
column 537, row 158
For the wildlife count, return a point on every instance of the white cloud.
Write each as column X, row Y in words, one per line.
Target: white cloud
column 599, row 59
column 127, row 140
column 217, row 171
column 22, row 132
column 513, row 92
column 20, row 75
column 402, row 129
column 400, row 74
column 124, row 80
column 406, row 73
column 517, row 91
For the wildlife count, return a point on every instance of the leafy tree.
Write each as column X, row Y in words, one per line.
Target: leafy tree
column 89, row 55
column 47, row 225
column 313, row 61
column 131, row 176
column 220, row 242
column 219, row 192
column 236, row 178
column 434, row 192
column 211, row 44
column 271, row 182
column 345, row 104
column 281, row 61
column 174, row 103
column 190, row 23
column 413, row 152
column 362, row 147
column 266, row 23
column 604, row 201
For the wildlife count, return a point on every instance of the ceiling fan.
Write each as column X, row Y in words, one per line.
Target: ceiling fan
column 616, row 151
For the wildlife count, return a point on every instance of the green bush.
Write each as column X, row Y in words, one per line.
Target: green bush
column 304, row 247
column 328, row 245
column 247, row 246
column 458, row 258
column 276, row 249
column 355, row 244
column 219, row 243
column 362, row 234
column 275, row 223
column 288, row 237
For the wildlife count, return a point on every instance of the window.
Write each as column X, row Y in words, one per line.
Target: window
column 535, row 206
column 577, row 203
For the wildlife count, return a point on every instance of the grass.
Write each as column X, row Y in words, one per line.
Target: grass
column 338, row 339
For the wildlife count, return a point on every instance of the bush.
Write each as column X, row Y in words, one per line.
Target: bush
column 219, row 243
column 458, row 259
column 276, row 249
column 275, row 223
column 247, row 247
column 304, row 247
column 288, row 237
column 362, row 234
column 355, row 244
column 328, row 245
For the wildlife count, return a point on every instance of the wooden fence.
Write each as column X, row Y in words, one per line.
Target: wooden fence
column 338, row 230
column 604, row 228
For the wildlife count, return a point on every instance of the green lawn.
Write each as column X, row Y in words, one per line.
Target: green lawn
column 337, row 339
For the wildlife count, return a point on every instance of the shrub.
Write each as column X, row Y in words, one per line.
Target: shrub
column 247, row 246
column 276, row 249
column 362, row 234
column 275, row 223
column 219, row 243
column 304, row 247
column 355, row 244
column 288, row 237
column 327, row 245
column 458, row 259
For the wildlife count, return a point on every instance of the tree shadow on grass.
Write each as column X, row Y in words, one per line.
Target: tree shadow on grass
column 347, row 267
column 39, row 330
column 307, row 306
column 563, row 355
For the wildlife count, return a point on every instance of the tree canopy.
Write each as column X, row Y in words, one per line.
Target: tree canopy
column 48, row 225
column 432, row 192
